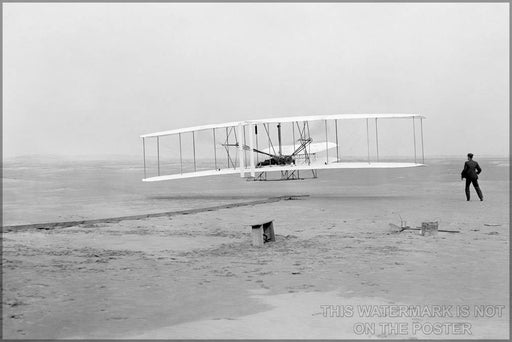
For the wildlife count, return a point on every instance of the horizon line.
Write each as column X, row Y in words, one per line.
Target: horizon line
column 137, row 156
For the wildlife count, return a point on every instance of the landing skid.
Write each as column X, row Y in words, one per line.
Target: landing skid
column 285, row 175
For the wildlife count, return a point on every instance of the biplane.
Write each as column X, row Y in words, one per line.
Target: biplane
column 284, row 146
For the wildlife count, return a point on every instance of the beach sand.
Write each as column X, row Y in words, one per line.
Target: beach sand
column 198, row 276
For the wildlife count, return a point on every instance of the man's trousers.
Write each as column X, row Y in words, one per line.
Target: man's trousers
column 475, row 185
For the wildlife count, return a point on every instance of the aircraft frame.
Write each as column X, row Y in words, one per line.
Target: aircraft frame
column 289, row 160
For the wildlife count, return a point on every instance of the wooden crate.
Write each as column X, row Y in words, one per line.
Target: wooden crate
column 262, row 233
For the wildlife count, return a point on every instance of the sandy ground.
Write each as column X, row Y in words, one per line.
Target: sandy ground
column 197, row 276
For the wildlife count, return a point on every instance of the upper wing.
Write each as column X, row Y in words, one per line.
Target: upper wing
column 286, row 119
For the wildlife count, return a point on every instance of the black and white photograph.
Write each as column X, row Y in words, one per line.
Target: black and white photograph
column 255, row 170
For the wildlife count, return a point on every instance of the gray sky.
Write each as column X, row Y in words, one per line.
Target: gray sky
column 88, row 79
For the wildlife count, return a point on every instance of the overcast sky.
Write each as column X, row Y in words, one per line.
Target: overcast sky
column 88, row 79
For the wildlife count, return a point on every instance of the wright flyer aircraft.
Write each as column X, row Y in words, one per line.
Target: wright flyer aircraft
column 286, row 147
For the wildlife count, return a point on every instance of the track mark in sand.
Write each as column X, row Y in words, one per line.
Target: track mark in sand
column 93, row 223
column 224, row 318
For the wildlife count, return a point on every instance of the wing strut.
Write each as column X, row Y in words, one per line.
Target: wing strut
column 326, row 144
column 368, row 140
column 228, row 132
column 181, row 157
column 144, row 154
column 256, row 135
column 214, row 149
column 241, row 151
column 422, row 151
column 293, row 135
column 251, row 155
column 337, row 149
column 414, row 137
column 194, row 148
column 279, row 139
column 377, row 138
column 227, row 149
column 302, row 138
column 245, row 143
column 158, row 153
column 269, row 140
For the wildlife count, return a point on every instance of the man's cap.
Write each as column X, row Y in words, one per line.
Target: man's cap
column 470, row 155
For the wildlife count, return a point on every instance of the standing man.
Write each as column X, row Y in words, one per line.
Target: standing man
column 471, row 172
